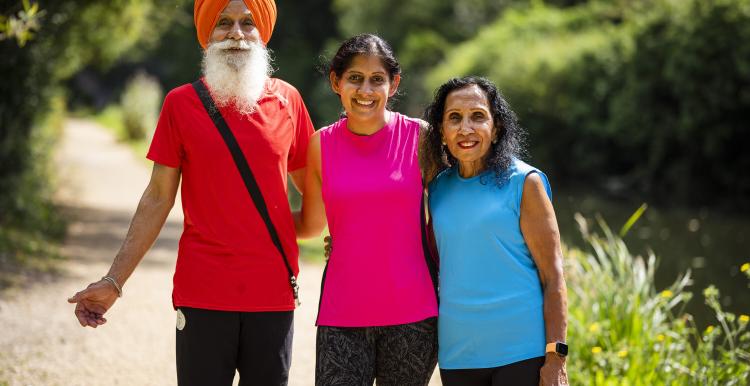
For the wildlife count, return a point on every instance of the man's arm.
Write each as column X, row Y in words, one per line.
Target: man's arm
column 311, row 220
column 152, row 212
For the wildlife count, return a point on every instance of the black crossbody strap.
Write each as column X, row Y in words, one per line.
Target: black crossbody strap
column 432, row 261
column 247, row 176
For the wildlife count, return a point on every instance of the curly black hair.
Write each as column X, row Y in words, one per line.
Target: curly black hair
column 510, row 137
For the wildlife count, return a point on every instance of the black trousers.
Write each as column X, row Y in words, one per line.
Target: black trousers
column 522, row 373
column 401, row 355
column 212, row 345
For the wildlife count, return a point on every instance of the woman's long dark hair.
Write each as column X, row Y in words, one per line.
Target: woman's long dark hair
column 507, row 144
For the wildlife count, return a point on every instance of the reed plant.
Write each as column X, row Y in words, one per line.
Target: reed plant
column 625, row 331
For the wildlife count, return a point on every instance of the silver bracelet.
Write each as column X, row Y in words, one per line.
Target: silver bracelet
column 114, row 283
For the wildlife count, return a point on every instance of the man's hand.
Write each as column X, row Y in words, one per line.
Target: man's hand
column 93, row 302
column 327, row 241
column 553, row 372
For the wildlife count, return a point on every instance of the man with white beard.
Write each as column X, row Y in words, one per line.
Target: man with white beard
column 235, row 278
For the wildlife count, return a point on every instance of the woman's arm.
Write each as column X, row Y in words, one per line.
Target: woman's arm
column 539, row 228
column 311, row 219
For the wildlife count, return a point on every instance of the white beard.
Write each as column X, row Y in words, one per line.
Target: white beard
column 237, row 77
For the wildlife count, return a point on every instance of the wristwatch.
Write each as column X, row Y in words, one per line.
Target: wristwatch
column 558, row 348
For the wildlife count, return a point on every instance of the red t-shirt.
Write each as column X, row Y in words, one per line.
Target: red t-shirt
column 226, row 259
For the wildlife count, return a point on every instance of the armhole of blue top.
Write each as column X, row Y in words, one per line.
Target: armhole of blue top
column 522, row 184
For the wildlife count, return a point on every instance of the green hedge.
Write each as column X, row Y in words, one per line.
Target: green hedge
column 647, row 97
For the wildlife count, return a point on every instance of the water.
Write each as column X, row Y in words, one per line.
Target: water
column 712, row 244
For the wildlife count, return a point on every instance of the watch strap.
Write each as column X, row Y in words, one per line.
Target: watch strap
column 557, row 348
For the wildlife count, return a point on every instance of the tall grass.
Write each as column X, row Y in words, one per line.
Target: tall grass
column 624, row 331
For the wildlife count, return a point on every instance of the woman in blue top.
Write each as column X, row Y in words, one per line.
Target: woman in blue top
column 502, row 318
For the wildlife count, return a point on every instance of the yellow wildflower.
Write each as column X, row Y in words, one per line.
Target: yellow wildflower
column 745, row 267
column 660, row 337
column 596, row 350
column 594, row 327
column 666, row 294
column 709, row 329
column 744, row 318
column 622, row 353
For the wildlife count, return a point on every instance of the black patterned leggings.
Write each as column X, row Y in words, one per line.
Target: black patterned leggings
column 401, row 355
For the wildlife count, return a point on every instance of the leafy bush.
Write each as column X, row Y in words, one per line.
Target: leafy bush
column 645, row 96
column 30, row 225
column 70, row 35
column 141, row 102
column 623, row 331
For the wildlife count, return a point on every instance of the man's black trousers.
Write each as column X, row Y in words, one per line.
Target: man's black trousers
column 213, row 344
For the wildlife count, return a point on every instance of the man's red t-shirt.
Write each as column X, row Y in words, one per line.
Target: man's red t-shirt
column 226, row 259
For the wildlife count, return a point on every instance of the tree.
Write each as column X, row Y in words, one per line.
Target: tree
column 67, row 36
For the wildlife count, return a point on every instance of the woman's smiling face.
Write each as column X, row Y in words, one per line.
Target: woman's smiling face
column 468, row 128
column 364, row 88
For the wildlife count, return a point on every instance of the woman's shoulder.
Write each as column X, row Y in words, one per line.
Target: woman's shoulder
column 333, row 127
column 440, row 179
column 411, row 122
column 519, row 168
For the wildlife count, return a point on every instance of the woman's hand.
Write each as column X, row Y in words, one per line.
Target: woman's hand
column 553, row 373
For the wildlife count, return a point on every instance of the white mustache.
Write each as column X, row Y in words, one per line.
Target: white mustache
column 231, row 44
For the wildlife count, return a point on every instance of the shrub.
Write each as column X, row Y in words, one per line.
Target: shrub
column 141, row 102
column 645, row 96
column 30, row 225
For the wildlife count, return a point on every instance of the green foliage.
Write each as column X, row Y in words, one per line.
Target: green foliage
column 297, row 45
column 141, row 103
column 419, row 30
column 31, row 225
column 625, row 332
column 548, row 62
column 21, row 26
column 685, row 102
column 70, row 35
column 655, row 90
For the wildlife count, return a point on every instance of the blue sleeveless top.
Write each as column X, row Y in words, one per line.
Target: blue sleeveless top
column 491, row 307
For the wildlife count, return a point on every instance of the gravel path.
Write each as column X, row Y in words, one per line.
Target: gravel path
column 41, row 343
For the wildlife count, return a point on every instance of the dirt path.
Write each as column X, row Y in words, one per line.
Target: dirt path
column 41, row 343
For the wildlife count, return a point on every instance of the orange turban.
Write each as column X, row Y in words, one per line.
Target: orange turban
column 207, row 12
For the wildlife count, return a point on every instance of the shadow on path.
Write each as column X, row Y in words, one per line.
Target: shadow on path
column 95, row 235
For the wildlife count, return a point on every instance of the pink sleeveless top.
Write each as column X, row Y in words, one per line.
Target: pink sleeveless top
column 372, row 189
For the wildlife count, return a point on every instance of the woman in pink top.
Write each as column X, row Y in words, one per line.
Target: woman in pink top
column 377, row 312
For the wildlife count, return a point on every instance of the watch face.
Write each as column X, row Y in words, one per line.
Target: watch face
column 562, row 349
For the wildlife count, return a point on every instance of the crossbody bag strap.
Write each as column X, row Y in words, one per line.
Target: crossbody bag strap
column 247, row 176
column 429, row 256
